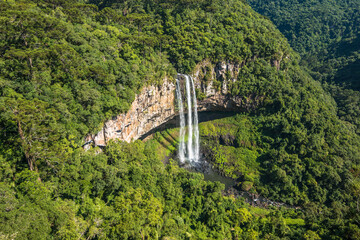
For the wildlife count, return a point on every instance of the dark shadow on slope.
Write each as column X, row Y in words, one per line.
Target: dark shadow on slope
column 343, row 59
column 349, row 76
column 174, row 122
column 345, row 47
column 162, row 144
column 171, row 138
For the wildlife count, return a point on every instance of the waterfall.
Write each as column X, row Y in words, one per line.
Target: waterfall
column 190, row 120
column 192, row 150
column 182, row 123
column 196, row 124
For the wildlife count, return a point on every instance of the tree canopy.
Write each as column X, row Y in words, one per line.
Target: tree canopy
column 68, row 66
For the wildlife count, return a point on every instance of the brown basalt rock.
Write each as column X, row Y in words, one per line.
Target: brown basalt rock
column 151, row 108
column 155, row 105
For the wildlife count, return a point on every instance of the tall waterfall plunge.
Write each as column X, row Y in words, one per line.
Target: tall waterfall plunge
column 191, row 150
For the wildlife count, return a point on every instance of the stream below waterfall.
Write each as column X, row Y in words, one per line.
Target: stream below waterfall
column 189, row 147
column 210, row 174
column 231, row 188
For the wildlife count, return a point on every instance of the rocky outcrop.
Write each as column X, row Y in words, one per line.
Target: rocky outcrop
column 213, row 81
column 151, row 108
column 155, row 105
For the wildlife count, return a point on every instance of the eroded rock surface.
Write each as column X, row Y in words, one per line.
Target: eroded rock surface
column 156, row 105
column 151, row 108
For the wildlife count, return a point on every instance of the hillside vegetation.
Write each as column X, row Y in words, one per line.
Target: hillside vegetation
column 68, row 66
column 327, row 35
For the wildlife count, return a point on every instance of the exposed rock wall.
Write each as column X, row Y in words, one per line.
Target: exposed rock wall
column 213, row 81
column 151, row 108
column 155, row 105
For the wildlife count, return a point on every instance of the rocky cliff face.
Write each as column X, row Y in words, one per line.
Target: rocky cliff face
column 156, row 105
column 213, row 83
column 152, row 107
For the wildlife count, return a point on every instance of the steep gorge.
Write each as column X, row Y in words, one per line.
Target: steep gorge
column 156, row 104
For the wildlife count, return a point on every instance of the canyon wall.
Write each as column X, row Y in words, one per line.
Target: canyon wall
column 155, row 105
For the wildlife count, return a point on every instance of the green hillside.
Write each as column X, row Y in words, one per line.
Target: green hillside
column 68, row 66
column 327, row 35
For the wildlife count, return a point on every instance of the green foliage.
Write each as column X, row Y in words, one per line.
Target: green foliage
column 65, row 73
column 68, row 66
column 328, row 43
column 124, row 193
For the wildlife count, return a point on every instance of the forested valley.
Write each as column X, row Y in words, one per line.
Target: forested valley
column 327, row 36
column 68, row 66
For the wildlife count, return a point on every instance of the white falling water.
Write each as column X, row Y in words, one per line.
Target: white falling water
column 190, row 120
column 196, row 124
column 182, row 123
column 192, row 152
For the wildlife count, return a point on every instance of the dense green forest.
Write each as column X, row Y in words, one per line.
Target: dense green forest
column 327, row 35
column 68, row 66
